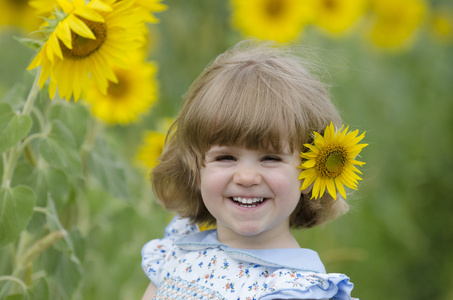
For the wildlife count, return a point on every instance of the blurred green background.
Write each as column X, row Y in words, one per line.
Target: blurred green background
column 395, row 243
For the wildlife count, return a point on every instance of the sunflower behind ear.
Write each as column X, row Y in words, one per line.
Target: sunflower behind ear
column 330, row 162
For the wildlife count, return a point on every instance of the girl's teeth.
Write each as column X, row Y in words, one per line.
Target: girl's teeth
column 248, row 202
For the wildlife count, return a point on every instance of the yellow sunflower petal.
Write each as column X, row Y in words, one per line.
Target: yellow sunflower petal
column 89, row 14
column 340, row 188
column 309, row 164
column 115, row 57
column 350, row 136
column 52, row 88
column 54, row 44
column 312, row 148
column 309, row 155
column 308, row 180
column 99, row 5
column 76, row 81
column 79, row 27
column 322, row 187
column 63, row 32
column 350, row 184
column 36, row 62
column 353, row 168
column 331, row 188
column 348, row 179
column 307, row 173
column 45, row 73
column 316, row 188
column 354, row 142
column 66, row 5
column 49, row 49
column 319, row 140
column 329, row 133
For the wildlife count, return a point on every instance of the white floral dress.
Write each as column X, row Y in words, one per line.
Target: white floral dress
column 188, row 264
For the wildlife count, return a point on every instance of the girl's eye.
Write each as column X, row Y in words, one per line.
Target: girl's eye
column 225, row 158
column 271, row 158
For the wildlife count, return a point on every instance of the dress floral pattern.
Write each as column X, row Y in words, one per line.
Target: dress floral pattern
column 188, row 264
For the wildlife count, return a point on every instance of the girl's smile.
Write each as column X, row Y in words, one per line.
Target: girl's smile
column 251, row 194
column 248, row 202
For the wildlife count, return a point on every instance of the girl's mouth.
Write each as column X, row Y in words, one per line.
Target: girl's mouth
column 248, row 202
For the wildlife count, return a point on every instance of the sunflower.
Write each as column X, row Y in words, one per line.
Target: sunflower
column 44, row 7
column 86, row 42
column 278, row 20
column 336, row 16
column 150, row 151
column 330, row 162
column 18, row 13
column 128, row 98
column 396, row 22
column 441, row 24
column 153, row 144
column 148, row 7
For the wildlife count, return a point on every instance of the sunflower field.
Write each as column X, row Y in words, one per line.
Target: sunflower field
column 88, row 90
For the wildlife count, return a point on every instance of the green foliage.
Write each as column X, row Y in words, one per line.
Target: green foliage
column 53, row 155
column 16, row 208
column 57, row 148
column 13, row 127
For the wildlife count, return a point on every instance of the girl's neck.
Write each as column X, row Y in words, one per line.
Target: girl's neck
column 264, row 240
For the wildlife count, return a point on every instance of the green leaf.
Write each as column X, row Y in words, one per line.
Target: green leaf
column 107, row 169
column 15, row 96
column 57, row 183
column 43, row 179
column 58, row 150
column 64, row 272
column 52, row 182
column 47, row 182
column 30, row 43
column 75, row 116
column 13, row 127
column 39, row 290
column 69, row 274
column 16, row 209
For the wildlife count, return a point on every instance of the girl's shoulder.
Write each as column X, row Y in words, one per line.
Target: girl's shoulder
column 155, row 252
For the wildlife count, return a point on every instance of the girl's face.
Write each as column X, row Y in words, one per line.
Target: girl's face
column 251, row 194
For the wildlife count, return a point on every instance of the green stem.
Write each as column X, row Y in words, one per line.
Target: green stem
column 30, row 138
column 28, row 258
column 9, row 161
column 40, row 246
column 9, row 164
column 31, row 95
column 14, row 279
column 39, row 116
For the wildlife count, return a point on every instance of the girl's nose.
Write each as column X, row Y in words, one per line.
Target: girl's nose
column 247, row 176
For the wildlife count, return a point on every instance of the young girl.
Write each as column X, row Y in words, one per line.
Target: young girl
column 232, row 159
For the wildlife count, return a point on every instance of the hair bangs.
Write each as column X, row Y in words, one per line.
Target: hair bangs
column 256, row 115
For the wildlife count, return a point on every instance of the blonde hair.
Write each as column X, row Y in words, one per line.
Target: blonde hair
column 254, row 95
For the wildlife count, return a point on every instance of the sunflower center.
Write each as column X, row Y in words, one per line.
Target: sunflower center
column 19, row 4
column 330, row 4
column 274, row 8
column 83, row 47
column 118, row 90
column 331, row 162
